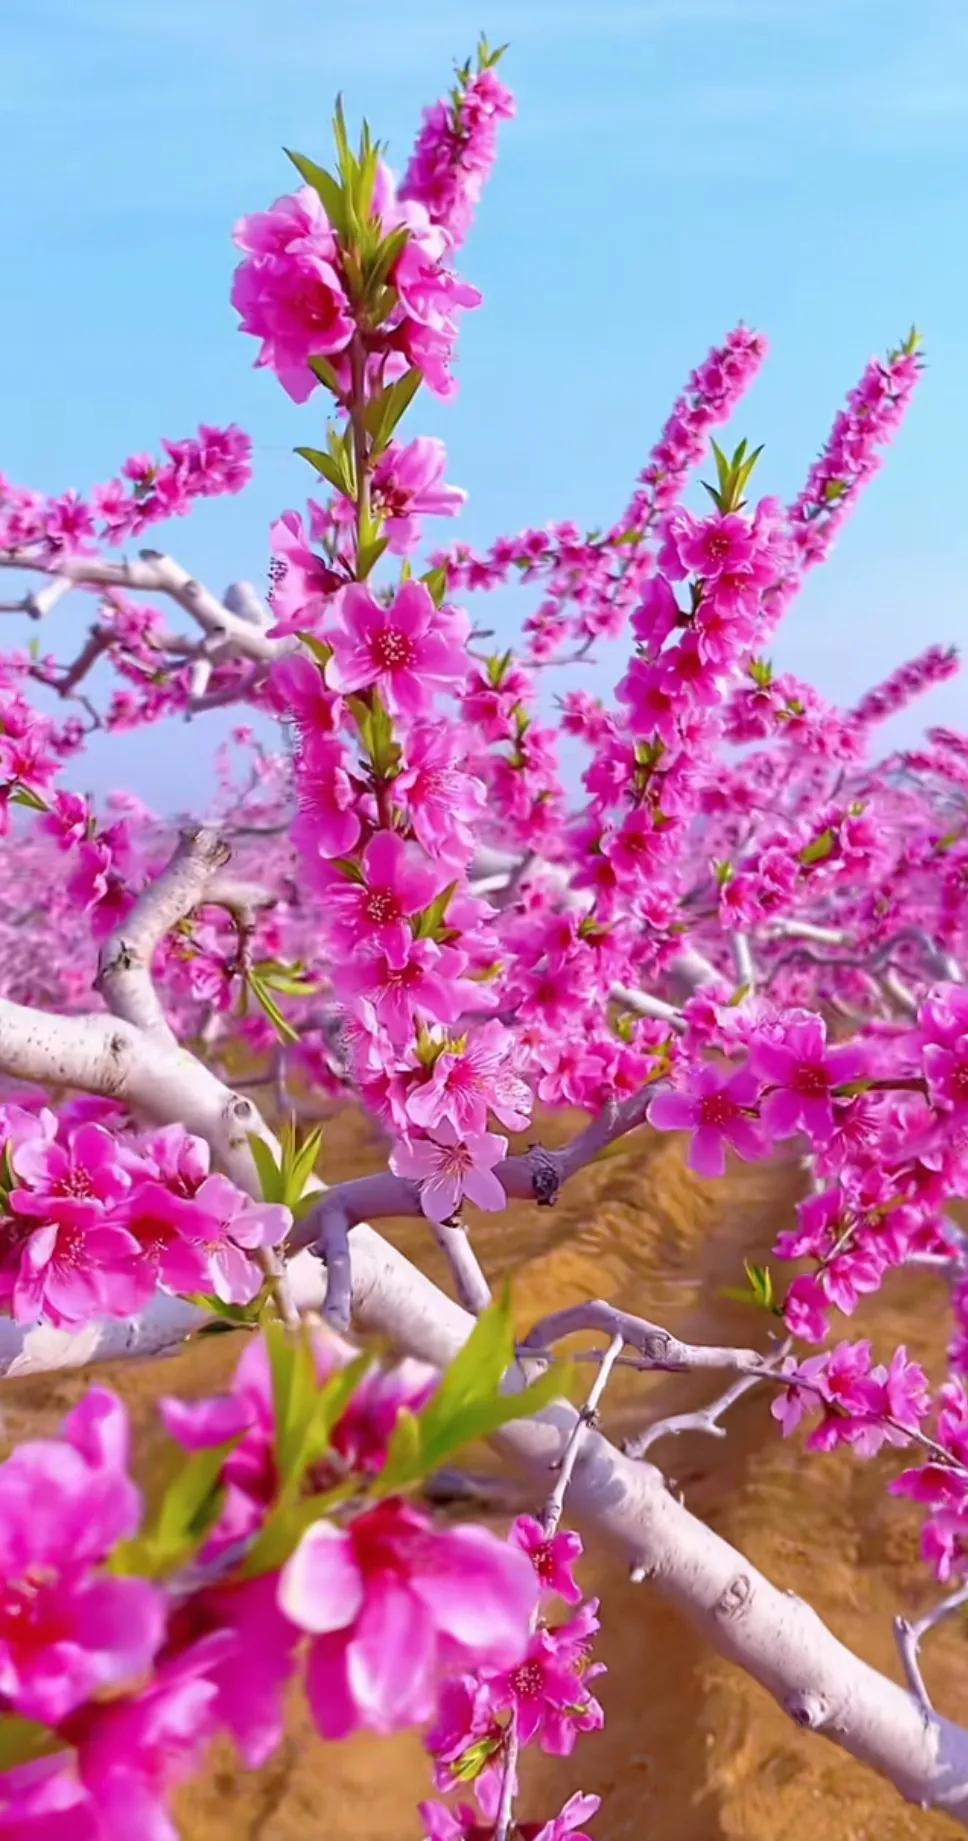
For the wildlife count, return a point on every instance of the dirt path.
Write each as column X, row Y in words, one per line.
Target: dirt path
column 692, row 1750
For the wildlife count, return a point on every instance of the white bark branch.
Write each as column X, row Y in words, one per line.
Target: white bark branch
column 124, row 963
column 644, row 1004
column 703, row 1419
column 772, row 1635
column 587, row 1416
column 743, row 961
column 454, row 1242
column 37, row 602
column 909, row 1638
column 153, row 573
column 655, row 1347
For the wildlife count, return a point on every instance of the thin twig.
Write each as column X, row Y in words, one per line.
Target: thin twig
column 655, row 1347
column 910, row 1635
column 509, row 1781
column 275, row 1271
column 704, row 1419
column 743, row 961
column 587, row 1417
column 472, row 1287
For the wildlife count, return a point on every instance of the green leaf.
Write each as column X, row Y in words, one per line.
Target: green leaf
column 375, row 725
column 289, row 984
column 344, row 153
column 385, row 411
column 383, row 306
column 321, row 652
column 367, row 164
column 24, row 796
column 744, row 471
column 380, row 265
column 760, row 1292
column 348, row 868
column 190, row 1504
column 293, row 1370
column 305, row 1413
column 189, row 1509
column 471, row 1762
column 227, row 1316
column 266, row 1002
column 820, row 849
column 435, row 581
column 304, row 1410
column 306, row 1203
column 429, row 923
column 326, row 1409
column 322, row 369
column 21, row 1741
column 325, row 465
column 302, row 1166
column 328, row 190
column 336, row 462
column 270, row 1174
column 289, row 979
column 404, row 1464
column 476, row 1371
column 732, row 476
column 468, row 1403
column 284, row 1527
column 368, row 555
column 8, row 1179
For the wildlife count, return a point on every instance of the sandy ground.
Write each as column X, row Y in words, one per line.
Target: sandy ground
column 692, row 1750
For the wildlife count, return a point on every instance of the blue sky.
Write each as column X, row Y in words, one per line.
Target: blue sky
column 676, row 165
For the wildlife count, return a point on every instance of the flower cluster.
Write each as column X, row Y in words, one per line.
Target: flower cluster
column 861, row 1405
column 919, row 675
column 215, row 461
column 134, row 1644
column 941, row 1485
column 293, row 293
column 600, row 578
column 744, row 925
column 781, row 706
column 94, row 1221
column 873, row 413
column 544, row 1700
column 457, row 147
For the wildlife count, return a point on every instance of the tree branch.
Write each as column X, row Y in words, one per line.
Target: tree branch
column 703, row 1419
column 587, row 1416
column 537, row 1175
column 655, row 1347
column 771, row 1634
column 36, row 603
column 909, row 1637
column 153, row 573
column 124, row 962
column 454, row 1241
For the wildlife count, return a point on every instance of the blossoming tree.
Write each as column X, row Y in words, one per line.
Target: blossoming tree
column 749, row 928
